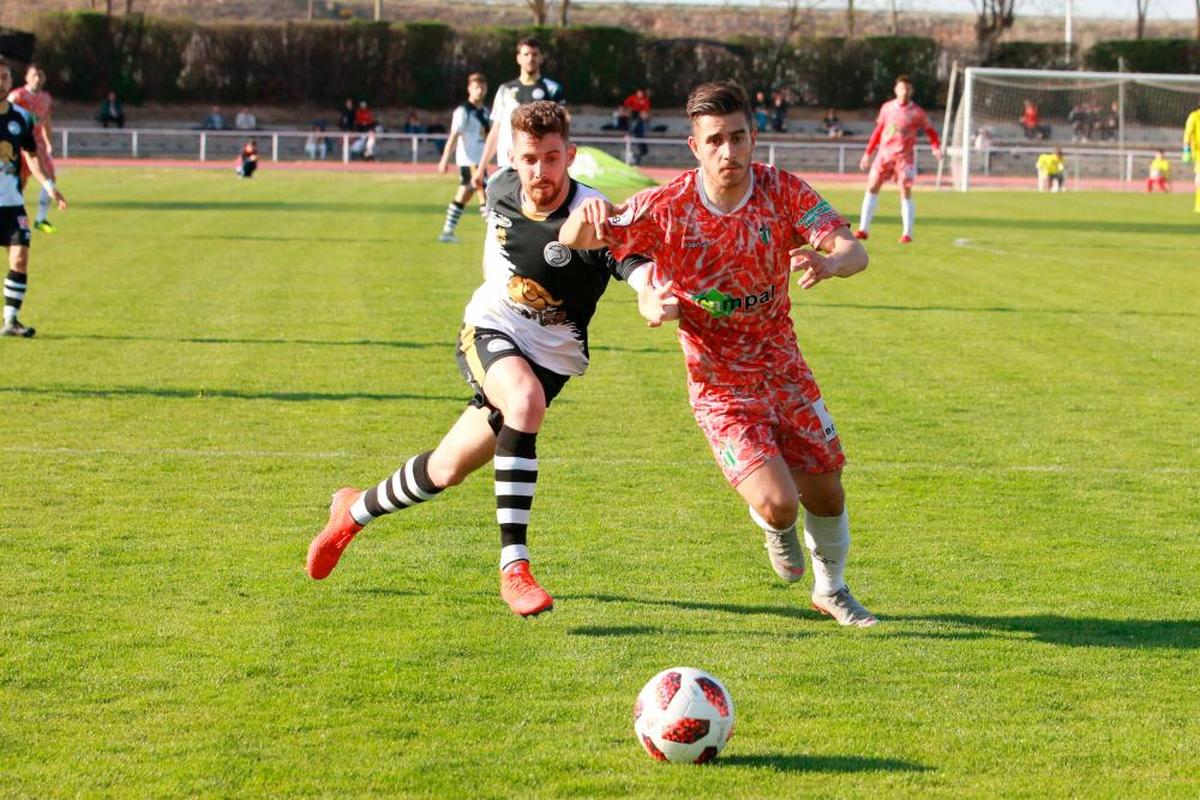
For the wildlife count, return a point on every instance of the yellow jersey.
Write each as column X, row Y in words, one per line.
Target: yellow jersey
column 1191, row 137
column 1160, row 168
column 1050, row 164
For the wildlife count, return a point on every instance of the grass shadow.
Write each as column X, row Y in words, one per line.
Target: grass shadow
column 615, row 630
column 105, row 392
column 799, row 762
column 1177, row 634
column 788, row 612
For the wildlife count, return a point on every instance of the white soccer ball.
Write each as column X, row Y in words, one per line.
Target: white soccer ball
column 683, row 715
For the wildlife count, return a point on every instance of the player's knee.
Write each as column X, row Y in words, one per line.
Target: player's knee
column 526, row 409
column 446, row 471
column 826, row 502
column 779, row 512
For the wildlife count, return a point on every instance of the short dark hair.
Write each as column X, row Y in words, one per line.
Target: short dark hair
column 529, row 41
column 716, row 99
column 541, row 118
column 903, row 78
column 477, row 77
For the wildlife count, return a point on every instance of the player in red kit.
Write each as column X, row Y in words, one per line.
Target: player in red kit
column 895, row 136
column 34, row 98
column 726, row 238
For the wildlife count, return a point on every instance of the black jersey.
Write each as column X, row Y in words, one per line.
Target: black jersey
column 511, row 96
column 16, row 134
column 538, row 291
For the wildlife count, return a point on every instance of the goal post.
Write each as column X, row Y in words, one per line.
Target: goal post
column 1105, row 119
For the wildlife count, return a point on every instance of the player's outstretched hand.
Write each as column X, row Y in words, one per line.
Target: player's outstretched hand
column 477, row 179
column 658, row 304
column 59, row 199
column 443, row 166
column 815, row 266
column 864, row 163
column 596, row 211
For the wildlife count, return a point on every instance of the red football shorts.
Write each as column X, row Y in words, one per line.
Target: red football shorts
column 900, row 168
column 782, row 415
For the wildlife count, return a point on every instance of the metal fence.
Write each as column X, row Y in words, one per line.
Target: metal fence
column 839, row 157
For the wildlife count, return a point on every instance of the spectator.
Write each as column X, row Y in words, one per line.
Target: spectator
column 364, row 118
column 1029, row 122
column 316, row 145
column 214, row 121
column 779, row 111
column 111, row 111
column 1077, row 119
column 983, row 145
column 245, row 120
column 620, row 120
column 346, row 119
column 413, row 124
column 833, row 125
column 761, row 117
column 1110, row 126
column 638, row 106
column 248, row 160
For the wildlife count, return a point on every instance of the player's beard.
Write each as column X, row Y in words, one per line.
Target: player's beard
column 544, row 192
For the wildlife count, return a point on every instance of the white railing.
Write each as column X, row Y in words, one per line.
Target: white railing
column 838, row 156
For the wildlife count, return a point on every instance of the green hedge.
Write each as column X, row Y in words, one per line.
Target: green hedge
column 425, row 64
column 1031, row 55
column 1146, row 55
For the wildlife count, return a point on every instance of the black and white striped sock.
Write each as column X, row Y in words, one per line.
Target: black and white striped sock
column 15, row 284
column 408, row 486
column 516, row 480
column 453, row 215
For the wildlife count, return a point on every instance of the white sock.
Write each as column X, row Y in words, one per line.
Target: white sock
column 908, row 210
column 762, row 523
column 828, row 539
column 43, row 206
column 870, row 202
column 513, row 552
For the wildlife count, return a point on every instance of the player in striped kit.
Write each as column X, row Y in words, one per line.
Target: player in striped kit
column 18, row 154
column 895, row 136
column 524, row 335
column 34, row 98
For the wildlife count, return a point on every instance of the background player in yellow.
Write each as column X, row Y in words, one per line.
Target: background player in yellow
column 1050, row 171
column 1191, row 147
column 1160, row 173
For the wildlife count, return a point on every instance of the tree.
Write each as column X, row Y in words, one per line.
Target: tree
column 849, row 19
column 1143, row 6
column 539, row 9
column 992, row 19
column 565, row 5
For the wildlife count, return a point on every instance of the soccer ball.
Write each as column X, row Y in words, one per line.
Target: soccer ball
column 683, row 715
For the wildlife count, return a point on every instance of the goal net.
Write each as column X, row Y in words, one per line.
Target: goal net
column 1108, row 124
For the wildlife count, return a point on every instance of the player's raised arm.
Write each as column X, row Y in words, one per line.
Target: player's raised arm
column 839, row 255
column 585, row 228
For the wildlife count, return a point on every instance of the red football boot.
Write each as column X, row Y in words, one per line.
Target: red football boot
column 521, row 591
column 326, row 549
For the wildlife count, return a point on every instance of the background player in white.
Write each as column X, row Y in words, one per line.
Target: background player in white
column 524, row 334
column 468, row 132
column 530, row 86
column 34, row 98
column 17, row 140
column 895, row 135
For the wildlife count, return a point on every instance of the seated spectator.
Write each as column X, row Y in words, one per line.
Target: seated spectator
column 364, row 118
column 1110, row 126
column 316, row 145
column 761, row 117
column 111, row 112
column 214, row 121
column 413, row 124
column 248, row 160
column 245, row 120
column 346, row 118
column 638, row 103
column 779, row 111
column 620, row 120
column 833, row 125
column 1029, row 122
column 1077, row 119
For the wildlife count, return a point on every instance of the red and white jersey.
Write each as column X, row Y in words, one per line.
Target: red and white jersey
column 730, row 270
column 38, row 104
column 896, row 129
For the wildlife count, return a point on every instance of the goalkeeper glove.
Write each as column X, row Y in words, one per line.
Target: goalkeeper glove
column 1187, row 154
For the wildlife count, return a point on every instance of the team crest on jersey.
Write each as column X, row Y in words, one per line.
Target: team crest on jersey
column 538, row 94
column 764, row 234
column 14, row 127
column 557, row 254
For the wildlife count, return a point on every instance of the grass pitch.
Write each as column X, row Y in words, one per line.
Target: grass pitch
column 1016, row 393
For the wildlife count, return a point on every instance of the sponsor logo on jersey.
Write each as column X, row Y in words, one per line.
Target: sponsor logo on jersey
column 623, row 219
column 718, row 304
column 499, row 345
column 14, row 127
column 696, row 245
column 813, row 216
column 556, row 254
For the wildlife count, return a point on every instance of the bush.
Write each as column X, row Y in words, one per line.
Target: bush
column 1145, row 55
column 1031, row 55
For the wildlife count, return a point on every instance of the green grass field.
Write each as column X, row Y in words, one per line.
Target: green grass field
column 215, row 357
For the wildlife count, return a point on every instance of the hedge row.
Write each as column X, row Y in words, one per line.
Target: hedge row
column 425, row 64
column 1146, row 55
